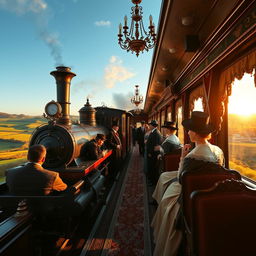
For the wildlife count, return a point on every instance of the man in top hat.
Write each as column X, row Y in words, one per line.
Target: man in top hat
column 172, row 142
column 140, row 137
column 154, row 139
column 114, row 143
column 92, row 149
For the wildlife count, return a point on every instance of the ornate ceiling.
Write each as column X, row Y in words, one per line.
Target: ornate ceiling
column 179, row 19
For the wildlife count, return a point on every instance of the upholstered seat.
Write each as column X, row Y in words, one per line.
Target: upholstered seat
column 203, row 179
column 197, row 180
column 218, row 228
column 171, row 161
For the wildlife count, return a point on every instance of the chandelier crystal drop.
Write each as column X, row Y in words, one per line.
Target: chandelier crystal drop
column 136, row 38
column 137, row 99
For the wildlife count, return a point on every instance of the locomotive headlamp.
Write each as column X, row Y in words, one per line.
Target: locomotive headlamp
column 53, row 109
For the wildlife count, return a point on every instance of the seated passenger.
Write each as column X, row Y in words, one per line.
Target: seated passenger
column 92, row 149
column 170, row 145
column 32, row 179
column 167, row 238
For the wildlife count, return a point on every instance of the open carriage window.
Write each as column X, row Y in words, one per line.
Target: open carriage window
column 179, row 118
column 198, row 105
column 242, row 126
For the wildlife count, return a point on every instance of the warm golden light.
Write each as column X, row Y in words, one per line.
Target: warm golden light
column 243, row 98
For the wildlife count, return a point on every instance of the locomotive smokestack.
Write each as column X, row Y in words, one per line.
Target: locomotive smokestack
column 63, row 77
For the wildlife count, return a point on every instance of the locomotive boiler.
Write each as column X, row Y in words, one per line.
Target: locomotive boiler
column 62, row 139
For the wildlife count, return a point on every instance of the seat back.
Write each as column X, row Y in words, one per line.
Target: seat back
column 171, row 161
column 203, row 179
column 223, row 220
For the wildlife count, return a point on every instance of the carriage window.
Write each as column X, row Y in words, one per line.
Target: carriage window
column 180, row 126
column 198, row 105
column 169, row 113
column 242, row 126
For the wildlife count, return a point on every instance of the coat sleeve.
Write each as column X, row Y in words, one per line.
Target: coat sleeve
column 58, row 184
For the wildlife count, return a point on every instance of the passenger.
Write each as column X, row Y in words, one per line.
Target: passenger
column 147, row 132
column 154, row 139
column 170, row 144
column 134, row 135
column 140, row 137
column 32, row 178
column 167, row 238
column 114, row 142
column 92, row 150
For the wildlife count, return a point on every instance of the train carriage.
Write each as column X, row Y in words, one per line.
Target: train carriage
column 202, row 48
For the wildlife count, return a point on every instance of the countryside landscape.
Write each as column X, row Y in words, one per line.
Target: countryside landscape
column 15, row 132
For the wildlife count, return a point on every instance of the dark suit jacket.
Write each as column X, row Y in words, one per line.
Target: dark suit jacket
column 90, row 151
column 33, row 179
column 113, row 140
column 154, row 139
column 140, row 135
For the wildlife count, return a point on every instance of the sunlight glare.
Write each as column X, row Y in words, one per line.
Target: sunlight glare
column 243, row 98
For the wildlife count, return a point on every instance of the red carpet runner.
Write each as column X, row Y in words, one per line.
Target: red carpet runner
column 130, row 230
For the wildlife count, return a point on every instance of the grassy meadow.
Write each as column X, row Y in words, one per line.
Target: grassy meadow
column 15, row 132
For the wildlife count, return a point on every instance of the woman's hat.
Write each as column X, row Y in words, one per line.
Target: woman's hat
column 199, row 123
column 170, row 125
column 154, row 123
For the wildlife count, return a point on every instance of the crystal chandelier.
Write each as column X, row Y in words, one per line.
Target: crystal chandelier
column 137, row 39
column 137, row 99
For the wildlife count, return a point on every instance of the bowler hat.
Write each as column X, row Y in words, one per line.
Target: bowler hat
column 153, row 123
column 170, row 125
column 199, row 123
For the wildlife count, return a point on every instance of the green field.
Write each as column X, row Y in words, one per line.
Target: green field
column 15, row 133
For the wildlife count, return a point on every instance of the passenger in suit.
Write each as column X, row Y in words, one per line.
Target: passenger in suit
column 32, row 178
column 154, row 139
column 171, row 142
column 140, row 137
column 92, row 149
column 114, row 142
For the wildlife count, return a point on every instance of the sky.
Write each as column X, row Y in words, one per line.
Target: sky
column 38, row 35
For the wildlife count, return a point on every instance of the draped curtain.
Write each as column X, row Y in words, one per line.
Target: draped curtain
column 244, row 65
column 197, row 93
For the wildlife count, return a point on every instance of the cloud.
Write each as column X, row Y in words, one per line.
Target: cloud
column 114, row 72
column 38, row 11
column 122, row 100
column 102, row 23
column 23, row 6
column 87, row 86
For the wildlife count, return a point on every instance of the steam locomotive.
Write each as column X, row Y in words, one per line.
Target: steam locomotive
column 63, row 140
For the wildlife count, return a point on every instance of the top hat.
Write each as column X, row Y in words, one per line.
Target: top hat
column 100, row 136
column 170, row 125
column 154, row 123
column 115, row 123
column 199, row 123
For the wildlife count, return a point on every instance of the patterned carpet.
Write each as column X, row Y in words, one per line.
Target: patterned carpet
column 129, row 232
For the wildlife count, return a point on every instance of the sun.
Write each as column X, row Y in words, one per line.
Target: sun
column 243, row 99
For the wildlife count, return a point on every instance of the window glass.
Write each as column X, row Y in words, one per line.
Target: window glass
column 198, row 105
column 169, row 113
column 242, row 126
column 180, row 133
